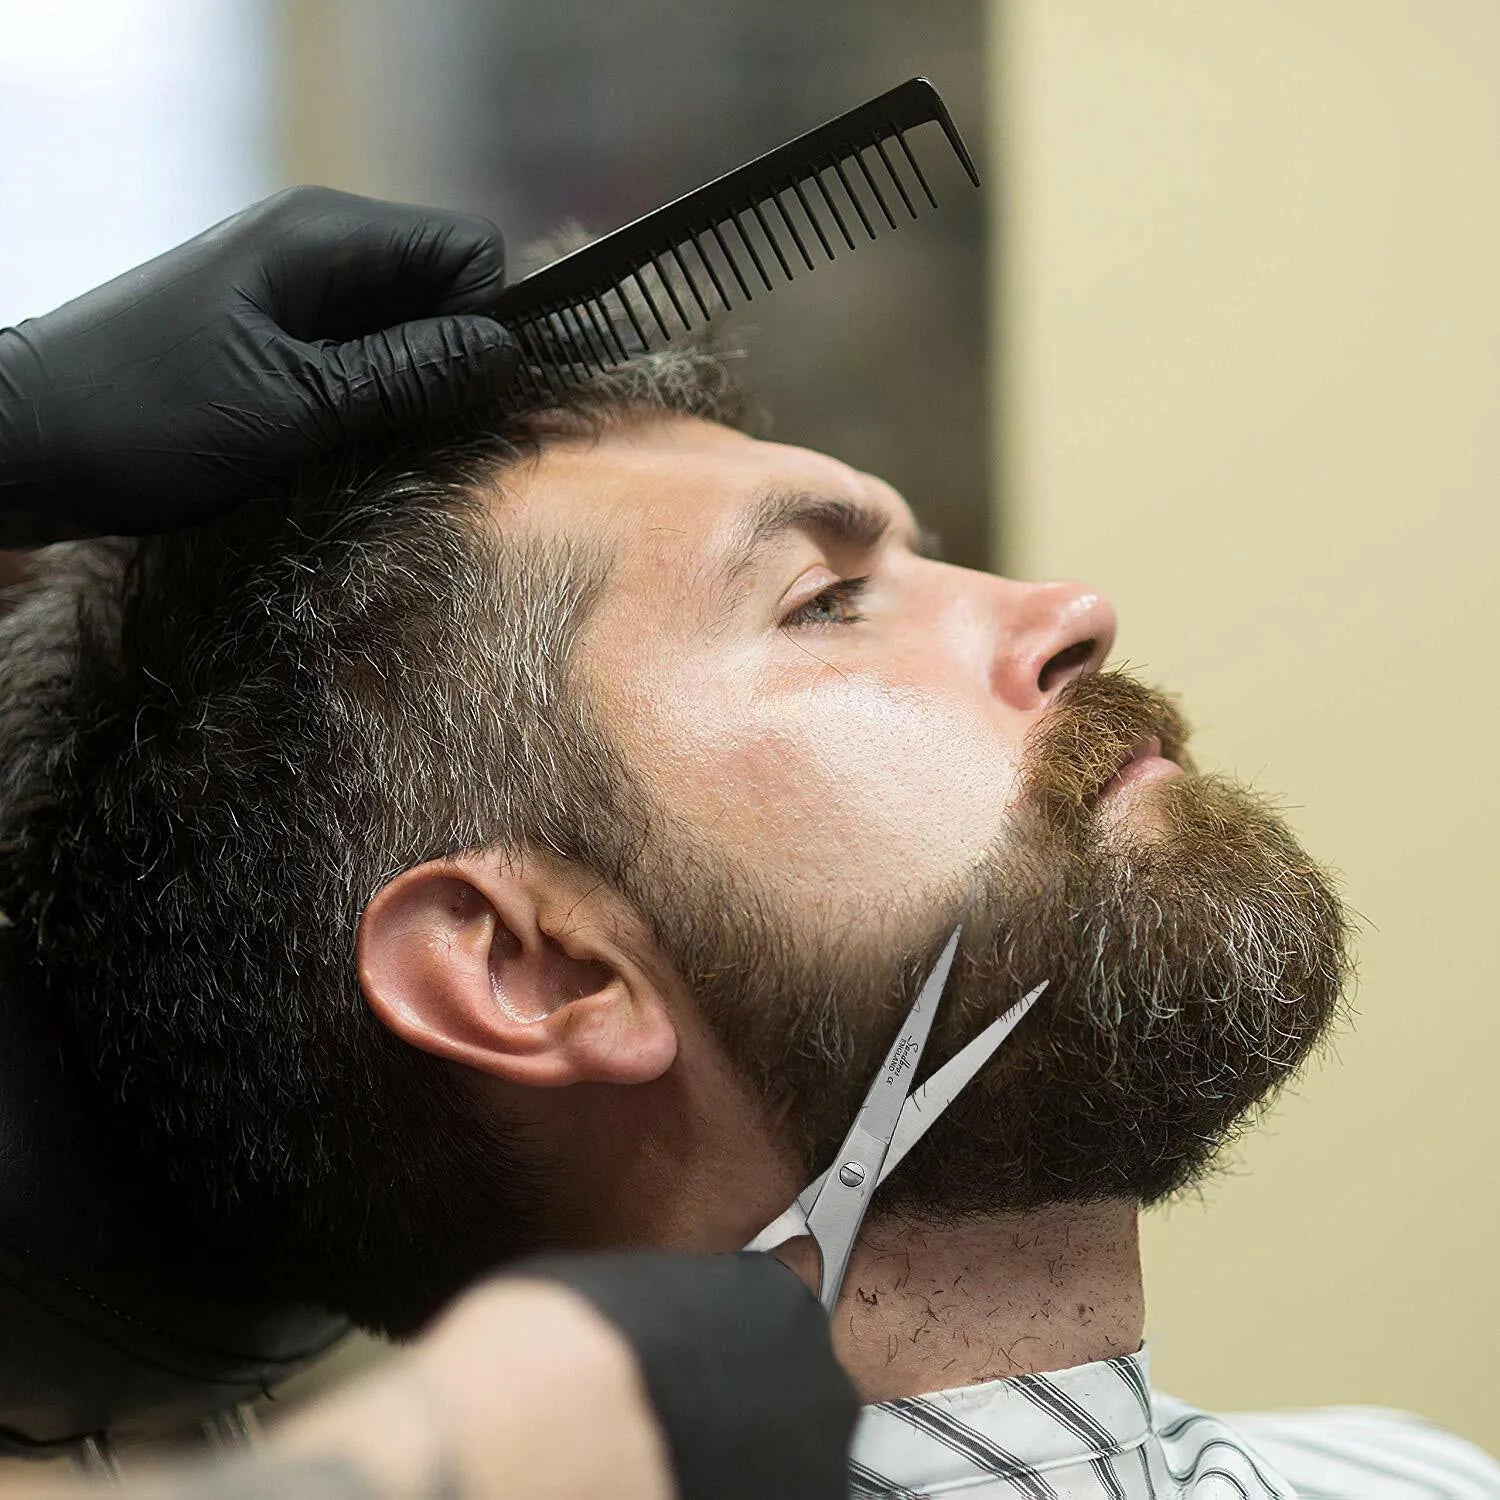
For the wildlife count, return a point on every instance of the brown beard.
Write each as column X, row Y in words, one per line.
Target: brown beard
column 1193, row 961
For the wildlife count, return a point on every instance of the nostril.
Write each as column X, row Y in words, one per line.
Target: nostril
column 1066, row 664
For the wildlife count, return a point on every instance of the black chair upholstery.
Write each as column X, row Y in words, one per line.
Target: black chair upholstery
column 112, row 1320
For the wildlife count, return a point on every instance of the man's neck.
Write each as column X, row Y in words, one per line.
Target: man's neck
column 929, row 1310
column 691, row 1163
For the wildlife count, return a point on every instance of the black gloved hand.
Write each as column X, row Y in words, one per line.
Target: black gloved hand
column 739, row 1366
column 206, row 376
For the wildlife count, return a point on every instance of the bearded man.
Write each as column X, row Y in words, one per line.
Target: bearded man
column 529, row 838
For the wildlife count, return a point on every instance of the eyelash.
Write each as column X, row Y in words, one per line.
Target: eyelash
column 845, row 594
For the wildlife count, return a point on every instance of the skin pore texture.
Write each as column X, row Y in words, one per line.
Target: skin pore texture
column 839, row 747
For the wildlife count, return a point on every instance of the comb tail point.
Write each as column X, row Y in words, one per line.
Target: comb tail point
column 960, row 150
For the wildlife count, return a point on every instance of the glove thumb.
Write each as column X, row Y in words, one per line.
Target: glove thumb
column 416, row 372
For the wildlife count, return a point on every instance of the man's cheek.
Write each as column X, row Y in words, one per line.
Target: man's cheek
column 892, row 773
column 844, row 779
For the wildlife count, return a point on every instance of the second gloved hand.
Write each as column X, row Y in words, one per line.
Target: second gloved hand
column 208, row 375
column 737, row 1358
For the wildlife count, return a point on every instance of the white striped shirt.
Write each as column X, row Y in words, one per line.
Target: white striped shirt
column 1099, row 1431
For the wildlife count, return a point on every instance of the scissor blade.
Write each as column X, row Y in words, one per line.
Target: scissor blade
column 925, row 1104
column 839, row 1209
column 921, row 1110
column 888, row 1094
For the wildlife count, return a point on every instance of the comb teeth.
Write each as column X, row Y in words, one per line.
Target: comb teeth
column 568, row 333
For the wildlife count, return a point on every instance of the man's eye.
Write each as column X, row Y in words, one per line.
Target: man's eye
column 834, row 605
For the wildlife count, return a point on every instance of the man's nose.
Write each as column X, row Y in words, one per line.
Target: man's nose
column 1053, row 633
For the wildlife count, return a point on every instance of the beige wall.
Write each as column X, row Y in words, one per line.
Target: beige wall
column 1249, row 333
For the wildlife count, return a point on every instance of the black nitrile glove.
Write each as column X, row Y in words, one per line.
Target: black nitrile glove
column 206, row 376
column 739, row 1366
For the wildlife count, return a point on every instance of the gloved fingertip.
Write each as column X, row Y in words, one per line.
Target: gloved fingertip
column 464, row 350
column 491, row 347
column 420, row 370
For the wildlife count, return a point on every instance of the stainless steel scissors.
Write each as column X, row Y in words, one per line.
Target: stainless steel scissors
column 891, row 1121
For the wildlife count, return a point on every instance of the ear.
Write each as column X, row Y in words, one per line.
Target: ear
column 504, row 967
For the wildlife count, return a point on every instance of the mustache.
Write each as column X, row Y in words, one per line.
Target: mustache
column 1097, row 722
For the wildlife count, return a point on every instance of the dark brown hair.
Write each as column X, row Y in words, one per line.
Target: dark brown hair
column 216, row 745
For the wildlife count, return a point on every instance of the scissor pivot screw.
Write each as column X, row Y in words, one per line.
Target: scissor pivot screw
column 851, row 1174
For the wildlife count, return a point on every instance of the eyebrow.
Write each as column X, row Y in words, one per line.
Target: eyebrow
column 830, row 518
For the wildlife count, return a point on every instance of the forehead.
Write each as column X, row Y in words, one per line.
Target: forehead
column 672, row 484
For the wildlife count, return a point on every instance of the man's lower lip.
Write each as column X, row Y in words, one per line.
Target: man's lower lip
column 1146, row 768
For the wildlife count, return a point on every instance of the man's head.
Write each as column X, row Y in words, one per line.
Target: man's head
column 435, row 865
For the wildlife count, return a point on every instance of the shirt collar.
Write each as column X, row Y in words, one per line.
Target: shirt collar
column 1023, row 1424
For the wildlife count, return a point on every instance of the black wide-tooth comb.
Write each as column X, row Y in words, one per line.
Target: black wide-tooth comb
column 559, row 315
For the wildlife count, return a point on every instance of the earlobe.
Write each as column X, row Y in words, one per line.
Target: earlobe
column 482, row 962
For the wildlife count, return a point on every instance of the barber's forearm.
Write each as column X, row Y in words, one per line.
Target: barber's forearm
column 521, row 1392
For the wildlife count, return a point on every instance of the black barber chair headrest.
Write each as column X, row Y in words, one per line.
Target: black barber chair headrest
column 112, row 1321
